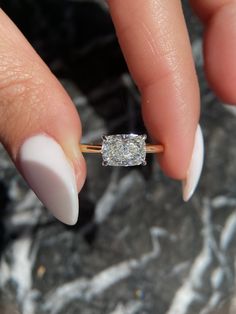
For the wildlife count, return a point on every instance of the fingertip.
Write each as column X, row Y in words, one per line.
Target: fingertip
column 161, row 63
column 39, row 125
column 171, row 116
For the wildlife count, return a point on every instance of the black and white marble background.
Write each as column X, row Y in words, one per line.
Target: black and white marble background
column 137, row 248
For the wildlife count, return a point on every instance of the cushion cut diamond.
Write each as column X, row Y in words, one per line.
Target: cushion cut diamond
column 124, row 150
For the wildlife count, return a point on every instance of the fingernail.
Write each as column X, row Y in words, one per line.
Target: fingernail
column 51, row 176
column 193, row 175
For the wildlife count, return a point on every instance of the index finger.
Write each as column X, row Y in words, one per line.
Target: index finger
column 155, row 42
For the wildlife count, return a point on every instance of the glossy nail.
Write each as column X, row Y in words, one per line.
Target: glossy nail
column 51, row 176
column 195, row 168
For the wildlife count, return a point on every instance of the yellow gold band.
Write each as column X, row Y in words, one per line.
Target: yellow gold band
column 97, row 149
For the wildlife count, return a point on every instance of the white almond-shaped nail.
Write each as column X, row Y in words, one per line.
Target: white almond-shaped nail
column 51, row 176
column 195, row 168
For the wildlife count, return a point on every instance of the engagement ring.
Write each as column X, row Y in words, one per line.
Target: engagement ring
column 123, row 149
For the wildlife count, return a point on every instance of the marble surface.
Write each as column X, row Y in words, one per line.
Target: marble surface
column 137, row 248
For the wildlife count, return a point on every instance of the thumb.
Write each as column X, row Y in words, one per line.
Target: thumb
column 39, row 125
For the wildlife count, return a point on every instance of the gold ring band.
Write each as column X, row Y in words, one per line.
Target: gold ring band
column 97, row 149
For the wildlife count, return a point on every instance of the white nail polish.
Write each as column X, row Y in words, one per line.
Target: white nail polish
column 195, row 168
column 51, row 176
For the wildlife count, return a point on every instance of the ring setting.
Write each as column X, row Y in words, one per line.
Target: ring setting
column 123, row 149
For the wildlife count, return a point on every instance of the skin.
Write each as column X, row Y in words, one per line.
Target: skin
column 155, row 43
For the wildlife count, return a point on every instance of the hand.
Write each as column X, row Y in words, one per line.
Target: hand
column 40, row 127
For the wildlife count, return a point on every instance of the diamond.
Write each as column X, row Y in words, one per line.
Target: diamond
column 124, row 150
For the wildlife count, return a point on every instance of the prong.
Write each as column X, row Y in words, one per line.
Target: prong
column 144, row 163
column 105, row 163
column 104, row 137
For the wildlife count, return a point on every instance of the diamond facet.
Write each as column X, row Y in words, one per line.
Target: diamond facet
column 124, row 150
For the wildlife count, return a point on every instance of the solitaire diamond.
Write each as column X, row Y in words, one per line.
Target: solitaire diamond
column 124, row 150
